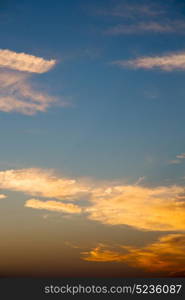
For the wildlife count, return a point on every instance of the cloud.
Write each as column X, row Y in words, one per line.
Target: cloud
column 54, row 206
column 18, row 95
column 24, row 62
column 166, row 255
column 42, row 183
column 159, row 208
column 167, row 63
column 181, row 156
column 9, row 78
column 133, row 10
column 145, row 27
column 2, row 196
column 103, row 253
column 179, row 159
column 144, row 208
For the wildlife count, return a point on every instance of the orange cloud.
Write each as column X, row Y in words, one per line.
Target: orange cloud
column 2, row 196
column 144, row 208
column 167, row 255
column 54, row 206
column 24, row 62
column 155, row 209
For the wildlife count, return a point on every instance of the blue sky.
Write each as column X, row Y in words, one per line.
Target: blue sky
column 117, row 118
column 109, row 96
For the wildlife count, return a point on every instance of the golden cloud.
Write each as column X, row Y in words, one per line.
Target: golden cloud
column 43, row 183
column 144, row 208
column 54, row 206
column 2, row 196
column 156, row 209
column 167, row 255
column 103, row 253
column 24, row 62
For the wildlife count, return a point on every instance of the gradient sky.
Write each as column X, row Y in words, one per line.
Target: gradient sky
column 92, row 142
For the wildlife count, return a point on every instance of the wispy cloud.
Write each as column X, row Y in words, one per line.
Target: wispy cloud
column 166, row 255
column 174, row 61
column 179, row 159
column 24, row 62
column 54, row 206
column 132, row 10
column 181, row 156
column 17, row 93
column 147, row 27
column 143, row 17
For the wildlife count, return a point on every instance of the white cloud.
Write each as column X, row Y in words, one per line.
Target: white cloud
column 17, row 95
column 53, row 206
column 167, row 62
column 145, row 27
column 181, row 156
column 174, row 161
column 24, row 62
column 133, row 10
column 178, row 160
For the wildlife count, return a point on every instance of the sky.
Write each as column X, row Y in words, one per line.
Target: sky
column 92, row 142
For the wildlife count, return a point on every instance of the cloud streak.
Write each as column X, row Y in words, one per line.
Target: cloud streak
column 133, row 10
column 179, row 159
column 24, row 62
column 53, row 206
column 167, row 62
column 166, row 255
column 147, row 27
column 18, row 95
